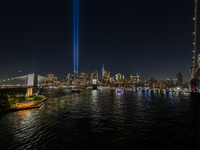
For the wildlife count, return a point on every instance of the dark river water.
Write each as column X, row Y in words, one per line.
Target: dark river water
column 104, row 119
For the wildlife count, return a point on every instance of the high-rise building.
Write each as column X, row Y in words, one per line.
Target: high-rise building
column 67, row 78
column 131, row 78
column 137, row 77
column 118, row 77
column 82, row 74
column 108, row 74
column 103, row 71
column 105, row 74
column 179, row 79
column 95, row 75
column 50, row 79
column 74, row 75
column 134, row 78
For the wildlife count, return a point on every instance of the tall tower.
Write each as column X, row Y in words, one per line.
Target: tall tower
column 103, row 71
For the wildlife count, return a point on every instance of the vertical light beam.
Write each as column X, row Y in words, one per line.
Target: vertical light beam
column 74, row 33
column 77, row 33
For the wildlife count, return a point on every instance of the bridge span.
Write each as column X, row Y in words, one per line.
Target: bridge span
column 22, row 81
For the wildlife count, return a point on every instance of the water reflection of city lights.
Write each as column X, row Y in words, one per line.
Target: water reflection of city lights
column 94, row 95
column 22, row 112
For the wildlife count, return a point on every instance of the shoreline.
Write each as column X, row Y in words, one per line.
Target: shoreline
column 12, row 109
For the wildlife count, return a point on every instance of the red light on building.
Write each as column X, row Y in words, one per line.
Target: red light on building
column 192, row 89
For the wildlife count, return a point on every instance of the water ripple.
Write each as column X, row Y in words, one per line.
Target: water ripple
column 102, row 119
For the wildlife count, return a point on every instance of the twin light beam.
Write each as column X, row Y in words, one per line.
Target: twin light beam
column 76, row 34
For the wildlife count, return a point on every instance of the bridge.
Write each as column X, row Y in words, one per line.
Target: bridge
column 22, row 81
column 195, row 69
column 30, row 82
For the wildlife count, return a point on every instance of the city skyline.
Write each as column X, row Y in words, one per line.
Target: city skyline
column 124, row 35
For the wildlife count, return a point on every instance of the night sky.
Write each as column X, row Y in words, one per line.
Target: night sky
column 148, row 37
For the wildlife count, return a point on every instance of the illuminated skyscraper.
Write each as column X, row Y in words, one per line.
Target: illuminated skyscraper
column 137, row 77
column 95, row 75
column 76, row 34
column 50, row 79
column 134, row 78
column 131, row 78
column 108, row 74
column 118, row 77
column 103, row 71
column 105, row 74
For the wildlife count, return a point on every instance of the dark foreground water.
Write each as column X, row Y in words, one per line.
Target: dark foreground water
column 102, row 119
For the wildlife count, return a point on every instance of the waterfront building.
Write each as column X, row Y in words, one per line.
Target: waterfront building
column 152, row 82
column 113, row 79
column 169, row 83
column 134, row 78
column 50, row 79
column 94, row 75
column 163, row 84
column 118, row 77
